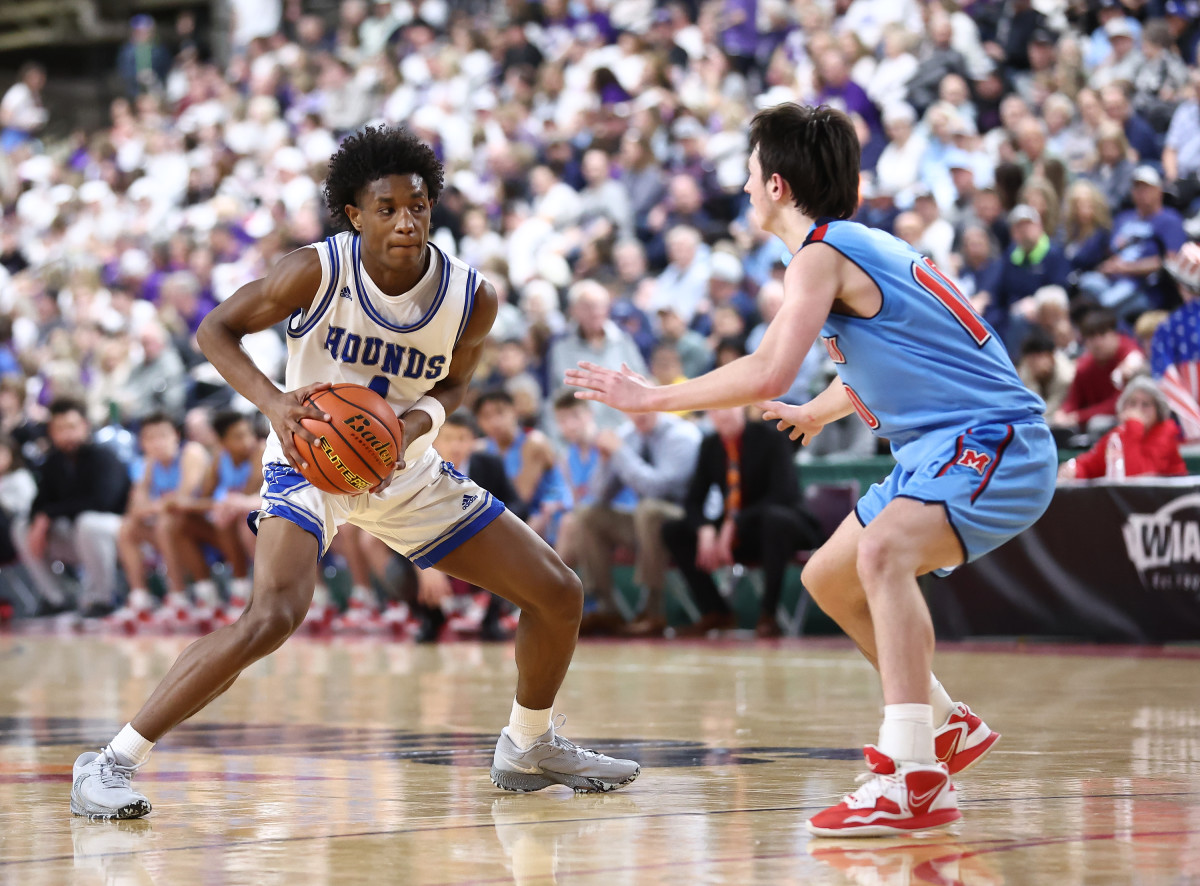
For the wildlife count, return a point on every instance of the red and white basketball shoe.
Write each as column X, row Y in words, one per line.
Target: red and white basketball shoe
column 963, row 740
column 894, row 799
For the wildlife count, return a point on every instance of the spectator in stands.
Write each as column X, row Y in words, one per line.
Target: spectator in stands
column 1088, row 229
column 1117, row 99
column 1112, row 171
column 1111, row 358
column 171, row 473
column 82, row 490
column 899, row 166
column 743, row 505
column 1045, row 369
column 683, row 284
column 593, row 338
column 1161, row 78
column 1142, row 238
column 1124, row 58
column 1175, row 350
column 1034, row 261
column 694, row 353
column 1181, row 153
column 215, row 514
column 1052, row 315
column 18, row 489
column 979, row 267
column 142, row 62
column 529, row 460
column 604, row 198
column 22, row 114
column 576, row 425
column 1145, row 441
column 653, row 455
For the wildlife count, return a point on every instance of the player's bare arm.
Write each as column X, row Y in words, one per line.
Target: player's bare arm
column 805, row 421
column 812, row 282
column 452, row 389
column 291, row 286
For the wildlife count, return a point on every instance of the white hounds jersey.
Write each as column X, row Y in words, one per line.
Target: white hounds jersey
column 400, row 347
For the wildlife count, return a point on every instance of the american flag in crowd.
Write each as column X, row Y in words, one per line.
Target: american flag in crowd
column 1175, row 363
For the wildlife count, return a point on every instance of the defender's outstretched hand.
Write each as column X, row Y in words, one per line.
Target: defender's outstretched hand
column 624, row 390
column 803, row 427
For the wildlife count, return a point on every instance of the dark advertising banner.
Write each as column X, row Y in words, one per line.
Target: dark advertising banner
column 1109, row 562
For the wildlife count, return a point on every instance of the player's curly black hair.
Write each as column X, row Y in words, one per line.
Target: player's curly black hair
column 372, row 154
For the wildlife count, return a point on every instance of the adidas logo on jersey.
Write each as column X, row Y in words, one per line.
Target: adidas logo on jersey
column 345, row 293
column 468, row 500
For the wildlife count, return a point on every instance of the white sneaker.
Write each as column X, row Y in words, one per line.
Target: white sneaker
column 553, row 760
column 101, row 788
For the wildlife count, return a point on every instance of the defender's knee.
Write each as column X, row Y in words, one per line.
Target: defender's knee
column 880, row 556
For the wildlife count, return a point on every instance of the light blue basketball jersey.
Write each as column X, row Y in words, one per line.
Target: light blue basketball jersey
column 231, row 477
column 926, row 366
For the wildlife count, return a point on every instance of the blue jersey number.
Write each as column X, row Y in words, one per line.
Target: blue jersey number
column 380, row 384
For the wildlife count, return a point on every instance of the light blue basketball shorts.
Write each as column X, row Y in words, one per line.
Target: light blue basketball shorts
column 994, row 481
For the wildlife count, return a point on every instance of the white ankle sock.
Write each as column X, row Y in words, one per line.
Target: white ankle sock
column 525, row 726
column 130, row 748
column 204, row 592
column 907, row 733
column 239, row 588
column 940, row 701
column 140, row 599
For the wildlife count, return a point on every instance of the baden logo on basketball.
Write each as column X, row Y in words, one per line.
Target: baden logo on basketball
column 360, row 425
column 340, row 466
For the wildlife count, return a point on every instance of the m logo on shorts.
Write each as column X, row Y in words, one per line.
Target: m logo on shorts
column 972, row 459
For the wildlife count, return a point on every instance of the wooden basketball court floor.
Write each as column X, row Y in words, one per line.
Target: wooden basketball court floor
column 365, row 762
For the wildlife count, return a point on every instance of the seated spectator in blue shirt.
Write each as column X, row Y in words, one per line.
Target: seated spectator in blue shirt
column 1117, row 99
column 1088, row 226
column 529, row 459
column 1181, row 153
column 581, row 458
column 980, row 266
column 1033, row 262
column 654, row 455
column 1142, row 238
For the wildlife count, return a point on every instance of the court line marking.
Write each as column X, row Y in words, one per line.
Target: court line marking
column 493, row 824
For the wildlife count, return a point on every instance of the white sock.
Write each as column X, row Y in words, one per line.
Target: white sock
column 204, row 592
column 526, row 726
column 140, row 599
column 130, row 748
column 362, row 594
column 320, row 597
column 239, row 588
column 907, row 733
column 940, row 701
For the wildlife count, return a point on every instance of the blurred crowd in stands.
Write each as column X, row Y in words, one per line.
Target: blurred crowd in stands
column 1045, row 154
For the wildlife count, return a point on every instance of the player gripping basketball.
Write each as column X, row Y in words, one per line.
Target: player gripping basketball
column 975, row 461
column 377, row 305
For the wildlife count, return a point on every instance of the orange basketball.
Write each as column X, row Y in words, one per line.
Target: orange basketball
column 357, row 448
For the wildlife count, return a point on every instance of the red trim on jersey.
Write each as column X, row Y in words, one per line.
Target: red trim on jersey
column 861, row 408
column 818, row 234
column 939, row 286
column 995, row 461
column 831, row 347
column 957, row 453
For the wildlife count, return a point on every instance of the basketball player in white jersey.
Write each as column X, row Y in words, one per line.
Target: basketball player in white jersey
column 378, row 305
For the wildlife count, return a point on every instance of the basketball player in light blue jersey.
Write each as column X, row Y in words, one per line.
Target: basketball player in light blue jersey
column 975, row 461
column 381, row 306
